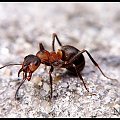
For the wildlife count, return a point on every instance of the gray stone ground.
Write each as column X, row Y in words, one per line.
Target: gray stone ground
column 92, row 26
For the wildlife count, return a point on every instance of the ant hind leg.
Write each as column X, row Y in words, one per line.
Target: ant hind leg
column 80, row 76
column 93, row 61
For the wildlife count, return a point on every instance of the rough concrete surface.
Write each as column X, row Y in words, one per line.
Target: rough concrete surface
column 91, row 26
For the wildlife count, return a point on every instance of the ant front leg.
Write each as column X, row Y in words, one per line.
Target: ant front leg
column 16, row 93
column 24, row 78
column 54, row 35
column 50, row 72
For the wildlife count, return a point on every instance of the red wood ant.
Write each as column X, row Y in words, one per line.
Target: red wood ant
column 67, row 57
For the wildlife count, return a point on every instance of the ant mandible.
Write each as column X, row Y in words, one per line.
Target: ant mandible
column 67, row 57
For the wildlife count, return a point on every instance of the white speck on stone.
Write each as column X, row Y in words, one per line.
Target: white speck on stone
column 8, row 72
column 43, row 93
column 45, row 106
column 72, row 87
column 79, row 90
column 46, row 87
column 64, row 85
column 41, row 70
column 107, row 99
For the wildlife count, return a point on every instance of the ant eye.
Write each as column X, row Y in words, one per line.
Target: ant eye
column 36, row 63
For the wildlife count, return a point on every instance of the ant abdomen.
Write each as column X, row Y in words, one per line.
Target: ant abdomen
column 69, row 52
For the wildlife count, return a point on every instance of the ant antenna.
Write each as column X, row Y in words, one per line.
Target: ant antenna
column 10, row 65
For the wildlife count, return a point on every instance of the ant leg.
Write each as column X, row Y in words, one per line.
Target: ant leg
column 41, row 47
column 54, row 35
column 94, row 62
column 78, row 73
column 20, row 71
column 16, row 98
column 50, row 72
column 24, row 78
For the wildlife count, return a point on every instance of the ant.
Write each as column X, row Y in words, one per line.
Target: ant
column 67, row 57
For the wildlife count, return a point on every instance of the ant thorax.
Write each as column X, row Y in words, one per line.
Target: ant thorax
column 43, row 56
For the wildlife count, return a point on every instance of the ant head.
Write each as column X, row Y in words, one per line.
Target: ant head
column 31, row 63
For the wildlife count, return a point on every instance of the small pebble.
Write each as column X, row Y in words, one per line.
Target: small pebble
column 43, row 93
column 64, row 85
column 56, row 79
column 37, row 80
column 8, row 72
column 45, row 106
column 72, row 87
